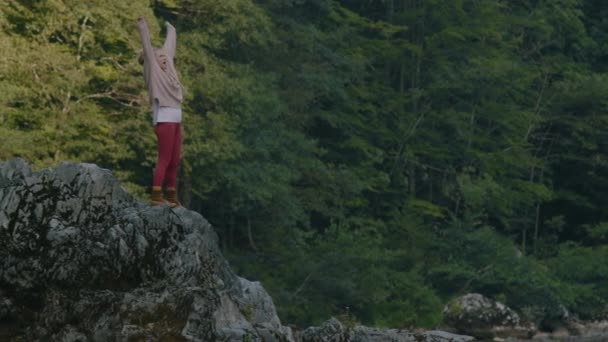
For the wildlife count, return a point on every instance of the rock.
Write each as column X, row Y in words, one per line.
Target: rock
column 6, row 308
column 330, row 331
column 476, row 315
column 334, row 331
column 82, row 260
column 597, row 329
column 363, row 334
column 590, row 331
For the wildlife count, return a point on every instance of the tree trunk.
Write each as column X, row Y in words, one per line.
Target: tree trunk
column 523, row 240
column 250, row 235
column 231, row 232
column 411, row 179
column 536, row 225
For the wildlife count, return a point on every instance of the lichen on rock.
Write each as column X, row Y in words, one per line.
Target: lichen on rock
column 476, row 315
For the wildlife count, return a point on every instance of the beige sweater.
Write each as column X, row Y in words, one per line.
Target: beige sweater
column 163, row 86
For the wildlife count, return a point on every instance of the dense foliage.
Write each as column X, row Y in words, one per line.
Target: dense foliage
column 364, row 158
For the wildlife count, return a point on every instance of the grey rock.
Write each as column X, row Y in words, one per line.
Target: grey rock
column 395, row 335
column 334, row 331
column 82, row 260
column 70, row 334
column 6, row 308
column 331, row 331
column 475, row 315
column 589, row 331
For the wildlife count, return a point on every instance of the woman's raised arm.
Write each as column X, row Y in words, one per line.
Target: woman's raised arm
column 170, row 41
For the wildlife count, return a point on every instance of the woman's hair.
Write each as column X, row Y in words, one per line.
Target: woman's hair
column 140, row 57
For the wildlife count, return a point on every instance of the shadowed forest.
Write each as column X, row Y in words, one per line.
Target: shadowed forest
column 365, row 159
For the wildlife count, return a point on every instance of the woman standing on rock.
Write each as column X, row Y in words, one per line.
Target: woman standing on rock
column 165, row 94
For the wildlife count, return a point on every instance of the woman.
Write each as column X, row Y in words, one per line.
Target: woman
column 165, row 94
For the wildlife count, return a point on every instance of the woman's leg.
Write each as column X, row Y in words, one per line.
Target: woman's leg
column 171, row 192
column 165, row 133
column 175, row 156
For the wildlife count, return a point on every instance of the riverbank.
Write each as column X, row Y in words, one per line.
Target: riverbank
column 596, row 331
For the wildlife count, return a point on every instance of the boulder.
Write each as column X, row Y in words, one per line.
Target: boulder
column 330, row 331
column 587, row 329
column 334, row 331
column 475, row 315
column 82, row 260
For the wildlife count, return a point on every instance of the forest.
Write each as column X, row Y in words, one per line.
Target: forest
column 368, row 159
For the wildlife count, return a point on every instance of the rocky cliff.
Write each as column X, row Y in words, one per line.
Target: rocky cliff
column 81, row 260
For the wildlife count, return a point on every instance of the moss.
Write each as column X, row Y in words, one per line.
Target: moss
column 348, row 320
column 247, row 311
column 454, row 308
column 164, row 322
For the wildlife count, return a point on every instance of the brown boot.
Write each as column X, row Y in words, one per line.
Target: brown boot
column 171, row 196
column 156, row 197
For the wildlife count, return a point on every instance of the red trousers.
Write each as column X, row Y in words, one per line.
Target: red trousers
column 169, row 136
